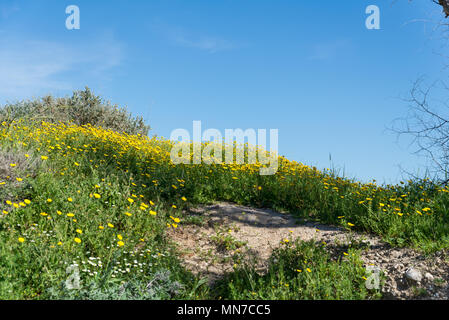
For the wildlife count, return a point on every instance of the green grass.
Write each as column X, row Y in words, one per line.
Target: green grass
column 300, row 270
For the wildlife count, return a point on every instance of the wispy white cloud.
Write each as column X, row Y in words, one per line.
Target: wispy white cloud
column 210, row 44
column 181, row 37
column 34, row 67
column 329, row 50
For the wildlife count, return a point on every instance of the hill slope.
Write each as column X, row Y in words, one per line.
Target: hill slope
column 79, row 199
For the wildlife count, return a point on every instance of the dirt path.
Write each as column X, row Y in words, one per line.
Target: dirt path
column 230, row 232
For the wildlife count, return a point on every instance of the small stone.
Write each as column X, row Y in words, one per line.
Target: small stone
column 413, row 274
column 429, row 276
column 399, row 266
column 395, row 254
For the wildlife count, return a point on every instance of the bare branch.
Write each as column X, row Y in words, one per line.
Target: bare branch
column 428, row 127
column 445, row 5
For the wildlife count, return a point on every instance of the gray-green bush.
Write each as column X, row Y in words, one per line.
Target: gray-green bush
column 161, row 287
column 81, row 108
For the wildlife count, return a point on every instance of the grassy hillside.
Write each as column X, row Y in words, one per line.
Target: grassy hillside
column 101, row 200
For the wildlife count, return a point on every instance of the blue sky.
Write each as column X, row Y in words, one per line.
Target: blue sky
column 308, row 68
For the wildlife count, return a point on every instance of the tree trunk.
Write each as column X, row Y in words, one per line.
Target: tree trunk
column 445, row 5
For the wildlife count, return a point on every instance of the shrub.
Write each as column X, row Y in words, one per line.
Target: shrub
column 161, row 287
column 81, row 108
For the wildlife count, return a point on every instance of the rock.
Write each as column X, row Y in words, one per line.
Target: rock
column 413, row 275
column 429, row 276
column 395, row 254
column 399, row 266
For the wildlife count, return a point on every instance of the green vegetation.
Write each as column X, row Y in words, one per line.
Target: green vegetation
column 300, row 270
column 74, row 194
